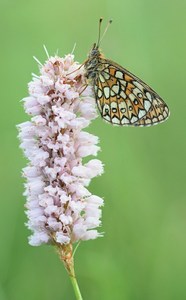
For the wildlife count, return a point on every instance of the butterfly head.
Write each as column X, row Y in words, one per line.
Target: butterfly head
column 94, row 52
column 94, row 55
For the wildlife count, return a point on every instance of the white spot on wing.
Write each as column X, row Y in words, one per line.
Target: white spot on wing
column 124, row 121
column 102, row 79
column 113, row 105
column 115, row 88
column 155, row 101
column 106, row 92
column 148, row 121
column 134, row 119
column 115, row 121
column 131, row 97
column 106, row 75
column 100, row 93
column 136, row 83
column 142, row 113
column 119, row 74
column 149, row 96
column 147, row 105
column 123, row 82
column 107, row 118
column 164, row 114
column 99, row 105
column 123, row 95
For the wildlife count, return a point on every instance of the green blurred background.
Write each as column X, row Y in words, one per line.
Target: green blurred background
column 143, row 253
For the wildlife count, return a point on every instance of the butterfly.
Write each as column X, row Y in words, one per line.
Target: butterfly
column 122, row 98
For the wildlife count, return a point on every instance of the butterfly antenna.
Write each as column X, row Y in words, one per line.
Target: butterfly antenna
column 99, row 31
column 109, row 22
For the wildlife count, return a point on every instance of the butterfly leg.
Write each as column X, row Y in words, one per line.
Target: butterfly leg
column 83, row 89
column 77, row 68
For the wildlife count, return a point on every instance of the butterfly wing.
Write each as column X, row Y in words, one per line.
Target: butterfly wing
column 158, row 113
column 123, row 99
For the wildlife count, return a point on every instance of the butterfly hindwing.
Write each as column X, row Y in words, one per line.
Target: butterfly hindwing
column 123, row 99
column 158, row 113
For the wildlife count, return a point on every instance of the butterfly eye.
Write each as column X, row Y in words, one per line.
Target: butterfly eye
column 92, row 75
column 94, row 53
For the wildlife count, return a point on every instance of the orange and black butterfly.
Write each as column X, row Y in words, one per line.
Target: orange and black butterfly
column 122, row 98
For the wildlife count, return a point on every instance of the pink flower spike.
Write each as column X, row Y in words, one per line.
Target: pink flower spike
column 60, row 208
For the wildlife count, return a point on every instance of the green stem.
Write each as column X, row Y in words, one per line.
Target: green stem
column 67, row 257
column 76, row 288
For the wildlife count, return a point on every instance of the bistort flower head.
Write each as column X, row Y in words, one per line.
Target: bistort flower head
column 60, row 208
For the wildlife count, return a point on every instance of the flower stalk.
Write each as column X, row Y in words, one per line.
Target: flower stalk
column 67, row 257
column 76, row 288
